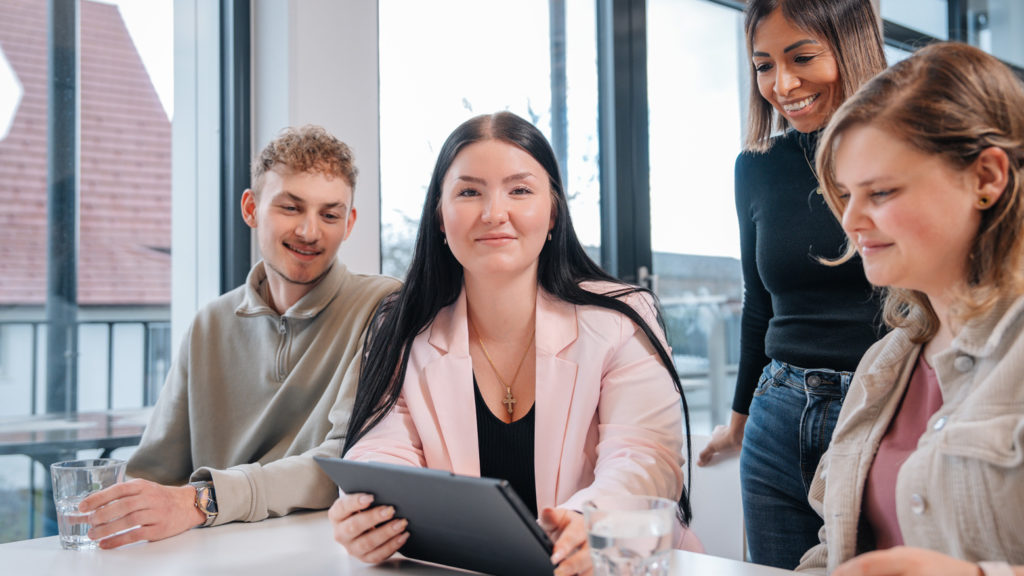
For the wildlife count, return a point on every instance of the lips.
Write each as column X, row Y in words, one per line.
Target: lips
column 872, row 247
column 800, row 104
column 305, row 253
column 495, row 237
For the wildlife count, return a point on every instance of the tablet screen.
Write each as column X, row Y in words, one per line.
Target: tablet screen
column 473, row 523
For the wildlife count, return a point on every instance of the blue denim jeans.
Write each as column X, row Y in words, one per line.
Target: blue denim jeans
column 791, row 420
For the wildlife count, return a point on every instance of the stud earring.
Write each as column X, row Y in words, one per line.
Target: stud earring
column 444, row 240
column 549, row 236
column 983, row 202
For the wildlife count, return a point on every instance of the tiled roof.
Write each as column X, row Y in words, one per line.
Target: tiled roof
column 125, row 165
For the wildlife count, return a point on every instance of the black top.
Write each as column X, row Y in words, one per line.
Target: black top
column 795, row 309
column 506, row 450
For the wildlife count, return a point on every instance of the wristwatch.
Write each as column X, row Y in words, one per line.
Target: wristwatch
column 206, row 500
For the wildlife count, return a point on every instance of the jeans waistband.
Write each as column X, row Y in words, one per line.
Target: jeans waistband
column 810, row 380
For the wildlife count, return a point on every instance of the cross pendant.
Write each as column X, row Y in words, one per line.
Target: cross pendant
column 509, row 401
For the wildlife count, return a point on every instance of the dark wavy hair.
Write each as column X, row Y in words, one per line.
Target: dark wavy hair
column 435, row 280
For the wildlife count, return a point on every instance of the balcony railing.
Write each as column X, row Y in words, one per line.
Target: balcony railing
column 111, row 355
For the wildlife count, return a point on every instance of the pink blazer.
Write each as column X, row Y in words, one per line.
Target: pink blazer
column 608, row 418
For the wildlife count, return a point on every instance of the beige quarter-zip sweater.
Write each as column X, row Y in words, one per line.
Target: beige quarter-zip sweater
column 252, row 396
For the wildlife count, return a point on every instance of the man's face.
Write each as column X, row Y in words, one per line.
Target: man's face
column 300, row 219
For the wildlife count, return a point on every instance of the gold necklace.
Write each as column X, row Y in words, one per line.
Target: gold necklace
column 509, row 400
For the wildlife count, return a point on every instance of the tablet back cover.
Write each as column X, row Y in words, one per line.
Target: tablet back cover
column 472, row 523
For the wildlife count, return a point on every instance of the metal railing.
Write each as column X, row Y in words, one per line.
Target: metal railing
column 704, row 334
column 156, row 355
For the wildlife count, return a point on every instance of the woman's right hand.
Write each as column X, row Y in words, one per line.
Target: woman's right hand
column 724, row 439
column 371, row 535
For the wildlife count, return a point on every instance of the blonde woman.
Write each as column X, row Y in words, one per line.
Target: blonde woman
column 926, row 468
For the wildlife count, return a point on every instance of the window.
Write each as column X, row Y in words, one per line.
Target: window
column 108, row 226
column 442, row 63
column 994, row 26
column 930, row 17
column 697, row 86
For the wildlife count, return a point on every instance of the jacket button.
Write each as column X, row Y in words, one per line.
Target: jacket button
column 939, row 424
column 963, row 363
column 917, row 504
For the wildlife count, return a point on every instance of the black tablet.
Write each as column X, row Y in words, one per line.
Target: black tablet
column 473, row 523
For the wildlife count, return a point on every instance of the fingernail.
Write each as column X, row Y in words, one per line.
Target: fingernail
column 399, row 526
column 557, row 557
column 403, row 537
column 365, row 499
column 387, row 512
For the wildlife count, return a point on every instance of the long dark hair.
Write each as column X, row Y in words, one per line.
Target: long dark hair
column 435, row 278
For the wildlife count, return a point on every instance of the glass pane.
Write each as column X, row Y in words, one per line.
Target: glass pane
column 894, row 55
column 928, row 16
column 995, row 25
column 118, row 233
column 696, row 85
column 442, row 63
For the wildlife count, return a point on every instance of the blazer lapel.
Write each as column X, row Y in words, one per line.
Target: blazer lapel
column 449, row 381
column 556, row 381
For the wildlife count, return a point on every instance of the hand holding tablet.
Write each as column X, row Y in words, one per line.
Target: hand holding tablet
column 431, row 515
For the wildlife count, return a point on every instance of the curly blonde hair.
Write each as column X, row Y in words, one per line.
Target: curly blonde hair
column 308, row 148
column 953, row 101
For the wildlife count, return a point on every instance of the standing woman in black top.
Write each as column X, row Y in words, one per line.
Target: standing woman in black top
column 804, row 325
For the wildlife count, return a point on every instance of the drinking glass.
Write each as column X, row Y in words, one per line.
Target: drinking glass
column 73, row 480
column 630, row 535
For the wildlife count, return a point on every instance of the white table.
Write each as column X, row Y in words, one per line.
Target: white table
column 296, row 544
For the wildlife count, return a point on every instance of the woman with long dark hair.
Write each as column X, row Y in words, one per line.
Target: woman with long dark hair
column 508, row 353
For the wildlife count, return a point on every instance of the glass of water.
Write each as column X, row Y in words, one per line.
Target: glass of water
column 73, row 480
column 630, row 535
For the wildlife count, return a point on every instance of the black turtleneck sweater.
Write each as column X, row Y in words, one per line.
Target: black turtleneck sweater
column 795, row 309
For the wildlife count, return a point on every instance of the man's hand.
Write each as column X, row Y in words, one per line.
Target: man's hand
column 571, row 551
column 147, row 510
column 906, row 561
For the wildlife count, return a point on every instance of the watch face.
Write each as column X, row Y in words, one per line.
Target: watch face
column 205, row 500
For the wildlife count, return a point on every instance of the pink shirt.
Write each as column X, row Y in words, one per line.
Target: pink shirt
column 922, row 398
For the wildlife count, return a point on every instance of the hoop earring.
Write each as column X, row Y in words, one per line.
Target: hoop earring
column 549, row 236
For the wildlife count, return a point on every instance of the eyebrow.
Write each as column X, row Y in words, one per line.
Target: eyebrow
column 505, row 180
column 789, row 48
column 300, row 200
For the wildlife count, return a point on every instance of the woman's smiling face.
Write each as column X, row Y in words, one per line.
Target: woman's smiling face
column 496, row 209
column 796, row 73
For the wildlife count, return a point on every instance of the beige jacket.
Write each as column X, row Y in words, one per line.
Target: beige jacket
column 962, row 491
